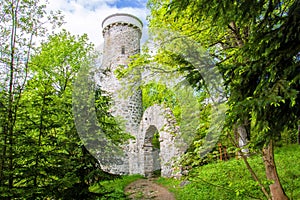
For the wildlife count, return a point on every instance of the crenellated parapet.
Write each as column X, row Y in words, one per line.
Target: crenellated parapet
column 121, row 19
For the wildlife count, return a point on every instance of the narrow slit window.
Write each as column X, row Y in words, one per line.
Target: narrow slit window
column 123, row 50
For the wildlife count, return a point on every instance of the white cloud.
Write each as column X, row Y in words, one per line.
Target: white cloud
column 86, row 16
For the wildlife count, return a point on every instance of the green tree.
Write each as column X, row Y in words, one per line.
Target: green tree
column 56, row 164
column 255, row 46
column 73, row 166
column 56, row 156
column 50, row 160
column 21, row 22
column 42, row 155
column 158, row 93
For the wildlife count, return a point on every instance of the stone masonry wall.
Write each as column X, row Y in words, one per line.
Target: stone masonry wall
column 158, row 118
column 121, row 40
column 122, row 33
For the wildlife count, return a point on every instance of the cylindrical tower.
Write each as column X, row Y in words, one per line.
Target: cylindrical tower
column 122, row 34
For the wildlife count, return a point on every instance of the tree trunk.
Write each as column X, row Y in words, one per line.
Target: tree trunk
column 253, row 174
column 298, row 134
column 3, row 156
column 277, row 192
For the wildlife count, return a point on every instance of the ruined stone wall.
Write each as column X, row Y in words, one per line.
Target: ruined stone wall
column 162, row 119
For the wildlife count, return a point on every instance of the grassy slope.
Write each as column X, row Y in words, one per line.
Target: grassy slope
column 114, row 189
column 231, row 179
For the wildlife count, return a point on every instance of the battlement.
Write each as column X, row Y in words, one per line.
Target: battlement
column 121, row 19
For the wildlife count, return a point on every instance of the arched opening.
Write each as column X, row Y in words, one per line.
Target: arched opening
column 152, row 165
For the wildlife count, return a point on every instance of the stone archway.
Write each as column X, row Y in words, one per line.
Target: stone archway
column 151, row 152
column 157, row 118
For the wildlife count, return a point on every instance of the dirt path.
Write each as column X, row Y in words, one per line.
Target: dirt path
column 147, row 189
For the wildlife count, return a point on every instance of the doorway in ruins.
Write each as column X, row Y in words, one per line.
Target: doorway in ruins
column 152, row 166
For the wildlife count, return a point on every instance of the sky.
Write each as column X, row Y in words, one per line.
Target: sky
column 86, row 16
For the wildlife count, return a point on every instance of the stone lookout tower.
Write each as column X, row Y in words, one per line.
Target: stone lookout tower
column 122, row 34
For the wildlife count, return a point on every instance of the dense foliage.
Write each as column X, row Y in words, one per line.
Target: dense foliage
column 49, row 157
column 255, row 47
column 41, row 154
column 251, row 51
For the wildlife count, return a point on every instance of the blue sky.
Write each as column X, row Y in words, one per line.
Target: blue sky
column 130, row 3
column 86, row 16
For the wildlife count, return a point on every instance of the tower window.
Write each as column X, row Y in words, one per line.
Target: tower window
column 123, row 50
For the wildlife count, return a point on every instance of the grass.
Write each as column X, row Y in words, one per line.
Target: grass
column 231, row 179
column 221, row 180
column 114, row 189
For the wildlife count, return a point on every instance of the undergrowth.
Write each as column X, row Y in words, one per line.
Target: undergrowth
column 231, row 179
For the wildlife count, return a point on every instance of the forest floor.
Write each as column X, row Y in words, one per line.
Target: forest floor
column 147, row 189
